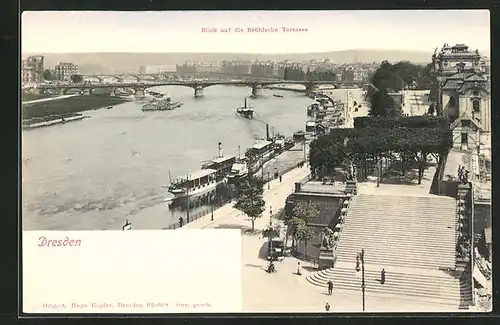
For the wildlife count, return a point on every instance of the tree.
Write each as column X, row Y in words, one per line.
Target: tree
column 47, row 75
column 249, row 199
column 292, row 225
column 304, row 234
column 76, row 78
column 382, row 104
column 305, row 210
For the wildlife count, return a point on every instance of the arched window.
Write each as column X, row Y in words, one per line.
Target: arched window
column 475, row 106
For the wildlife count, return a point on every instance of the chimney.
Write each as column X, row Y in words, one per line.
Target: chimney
column 220, row 149
column 267, row 132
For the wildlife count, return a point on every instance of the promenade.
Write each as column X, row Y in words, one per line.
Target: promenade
column 49, row 99
column 285, row 291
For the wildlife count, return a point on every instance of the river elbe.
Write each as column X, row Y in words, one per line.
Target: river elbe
column 92, row 174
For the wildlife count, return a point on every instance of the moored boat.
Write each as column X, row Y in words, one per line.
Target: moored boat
column 161, row 105
column 197, row 183
column 238, row 171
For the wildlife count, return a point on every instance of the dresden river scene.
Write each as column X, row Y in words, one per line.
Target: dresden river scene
column 94, row 162
column 347, row 153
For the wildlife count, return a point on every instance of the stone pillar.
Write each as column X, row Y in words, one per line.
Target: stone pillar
column 312, row 89
column 256, row 90
column 198, row 91
column 139, row 93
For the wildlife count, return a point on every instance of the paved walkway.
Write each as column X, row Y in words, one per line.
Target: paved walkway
column 275, row 197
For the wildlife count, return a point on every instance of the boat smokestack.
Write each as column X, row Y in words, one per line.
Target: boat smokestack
column 267, row 132
column 220, row 149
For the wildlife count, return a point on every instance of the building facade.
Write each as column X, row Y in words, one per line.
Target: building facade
column 145, row 69
column 463, row 96
column 237, row 68
column 264, row 70
column 64, row 71
column 32, row 69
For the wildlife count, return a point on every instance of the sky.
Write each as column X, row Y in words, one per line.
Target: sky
column 182, row 31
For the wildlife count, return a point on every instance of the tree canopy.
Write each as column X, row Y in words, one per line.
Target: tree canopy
column 47, row 75
column 297, row 223
column 403, row 121
column 299, row 74
column 395, row 77
column 382, row 104
column 76, row 78
column 343, row 146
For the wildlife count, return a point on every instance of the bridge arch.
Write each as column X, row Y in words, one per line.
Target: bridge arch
column 71, row 91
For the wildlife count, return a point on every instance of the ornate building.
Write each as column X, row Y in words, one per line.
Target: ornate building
column 463, row 96
column 32, row 70
column 65, row 70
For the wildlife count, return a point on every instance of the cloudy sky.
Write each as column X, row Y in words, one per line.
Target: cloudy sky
column 181, row 31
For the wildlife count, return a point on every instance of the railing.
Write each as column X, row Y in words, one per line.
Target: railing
column 197, row 215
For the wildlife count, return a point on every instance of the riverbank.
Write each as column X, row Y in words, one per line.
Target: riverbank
column 68, row 106
column 26, row 97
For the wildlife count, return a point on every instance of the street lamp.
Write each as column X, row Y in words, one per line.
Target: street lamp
column 211, row 207
column 379, row 172
column 270, row 236
column 361, row 258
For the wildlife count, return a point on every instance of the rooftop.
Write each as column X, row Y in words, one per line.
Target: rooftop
column 198, row 174
column 261, row 144
column 320, row 188
column 221, row 159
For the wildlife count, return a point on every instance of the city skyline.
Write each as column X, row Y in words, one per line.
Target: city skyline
column 177, row 32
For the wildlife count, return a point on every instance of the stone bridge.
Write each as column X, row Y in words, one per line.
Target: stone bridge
column 139, row 88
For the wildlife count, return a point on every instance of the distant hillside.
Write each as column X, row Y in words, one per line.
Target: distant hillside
column 130, row 62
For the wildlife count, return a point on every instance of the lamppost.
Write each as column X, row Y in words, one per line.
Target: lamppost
column 211, row 207
column 379, row 172
column 270, row 237
column 361, row 258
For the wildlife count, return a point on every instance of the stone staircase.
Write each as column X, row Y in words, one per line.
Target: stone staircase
column 412, row 238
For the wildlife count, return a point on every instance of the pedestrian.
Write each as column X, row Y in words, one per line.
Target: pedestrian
column 330, row 287
column 298, row 269
column 327, row 306
column 181, row 221
column 382, row 276
column 281, row 178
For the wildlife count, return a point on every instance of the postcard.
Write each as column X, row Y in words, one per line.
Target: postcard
column 255, row 161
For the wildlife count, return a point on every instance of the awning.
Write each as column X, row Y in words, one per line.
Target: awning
column 461, row 201
column 344, row 210
column 479, row 277
column 336, row 234
column 338, row 226
column 346, row 202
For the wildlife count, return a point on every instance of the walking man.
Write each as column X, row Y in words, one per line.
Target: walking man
column 298, row 269
column 281, row 178
column 327, row 306
column 382, row 276
column 330, row 287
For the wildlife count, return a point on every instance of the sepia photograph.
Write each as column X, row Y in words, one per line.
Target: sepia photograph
column 268, row 161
